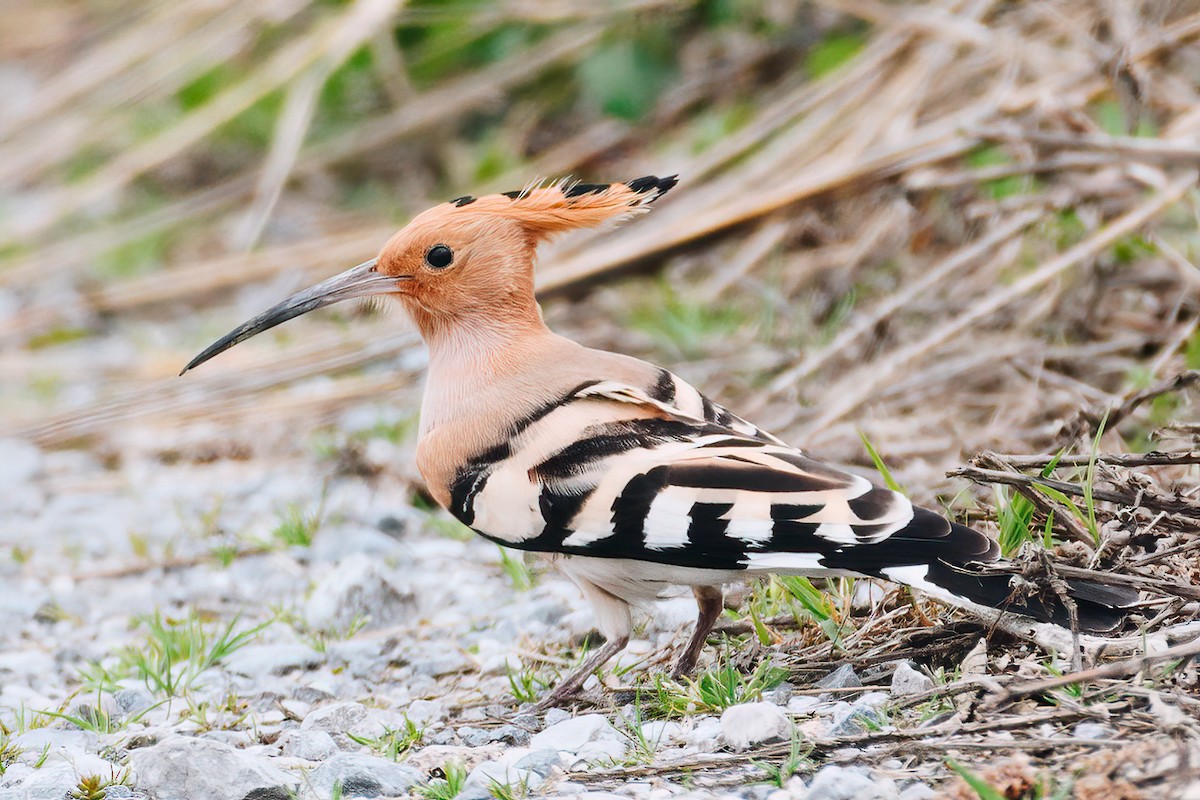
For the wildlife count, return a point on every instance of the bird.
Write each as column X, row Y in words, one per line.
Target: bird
column 620, row 472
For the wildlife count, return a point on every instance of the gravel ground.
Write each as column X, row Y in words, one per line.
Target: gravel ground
column 373, row 658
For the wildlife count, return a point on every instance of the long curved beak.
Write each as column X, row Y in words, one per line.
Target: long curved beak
column 360, row 281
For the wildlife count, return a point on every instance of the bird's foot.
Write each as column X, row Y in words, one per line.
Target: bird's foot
column 685, row 665
column 569, row 686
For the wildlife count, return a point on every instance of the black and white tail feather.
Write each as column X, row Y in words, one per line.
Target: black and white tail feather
column 670, row 488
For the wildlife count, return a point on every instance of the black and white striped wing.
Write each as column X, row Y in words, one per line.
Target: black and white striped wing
column 611, row 471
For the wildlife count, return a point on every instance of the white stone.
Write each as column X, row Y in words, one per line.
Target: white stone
column 706, row 735
column 309, row 745
column 573, row 734
column 272, row 659
column 753, row 723
column 803, row 704
column 918, row 791
column 359, row 591
column 182, row 768
column 21, row 461
column 661, row 731
column 51, row 782
column 840, row 783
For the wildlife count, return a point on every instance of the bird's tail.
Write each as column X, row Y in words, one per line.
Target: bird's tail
column 942, row 559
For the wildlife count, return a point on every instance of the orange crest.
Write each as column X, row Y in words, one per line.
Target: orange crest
column 565, row 205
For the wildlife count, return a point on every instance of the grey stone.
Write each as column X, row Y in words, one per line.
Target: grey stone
column 906, row 680
column 511, row 734
column 478, row 737
column 757, row 791
column 359, row 589
column 852, row 720
column 133, row 701
column 443, row 737
column 840, row 783
column 555, row 716
column 503, row 770
column 182, row 768
column 780, row 694
column 474, row 737
column 843, row 677
column 340, row 720
column 748, row 724
column 312, row 695
column 917, row 791
column 362, row 775
column 447, row 663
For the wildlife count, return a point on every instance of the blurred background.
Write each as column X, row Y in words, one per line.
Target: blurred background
column 945, row 224
column 944, row 227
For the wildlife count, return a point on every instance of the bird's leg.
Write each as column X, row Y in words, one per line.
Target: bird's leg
column 571, row 684
column 710, row 599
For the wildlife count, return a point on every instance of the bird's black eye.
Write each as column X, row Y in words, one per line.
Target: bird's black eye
column 439, row 256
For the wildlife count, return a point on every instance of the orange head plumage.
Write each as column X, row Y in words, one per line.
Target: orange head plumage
column 469, row 258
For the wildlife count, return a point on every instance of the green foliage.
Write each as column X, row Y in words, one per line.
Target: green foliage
column 682, row 325
column 445, row 783
column 248, row 132
column 524, row 683
column 832, row 52
column 981, row 787
column 297, row 527
column 1000, row 188
column 888, row 480
column 714, row 691
column 134, row 257
column 64, row 334
column 1112, row 118
column 229, row 714
column 512, row 790
column 519, row 574
column 95, row 787
column 1089, row 482
column 797, row 760
column 642, row 749
column 447, row 526
column 624, row 77
column 1014, row 513
column 440, row 39
column 9, row 753
column 393, row 742
column 1191, row 351
column 318, row 640
column 174, row 653
column 1133, row 248
column 91, row 718
column 711, row 126
column 815, row 603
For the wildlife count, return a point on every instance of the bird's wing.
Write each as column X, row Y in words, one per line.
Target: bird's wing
column 614, row 471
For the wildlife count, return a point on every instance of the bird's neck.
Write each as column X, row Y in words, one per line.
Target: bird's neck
column 471, row 351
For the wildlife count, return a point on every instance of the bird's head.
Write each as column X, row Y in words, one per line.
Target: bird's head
column 466, row 258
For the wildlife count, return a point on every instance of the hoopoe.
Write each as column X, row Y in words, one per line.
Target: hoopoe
column 620, row 472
